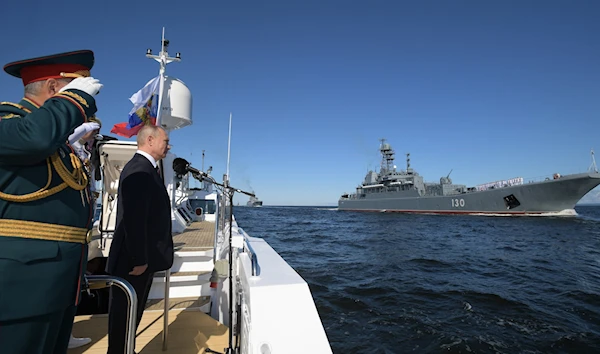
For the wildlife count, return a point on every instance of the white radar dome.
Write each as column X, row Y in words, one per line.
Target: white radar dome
column 176, row 111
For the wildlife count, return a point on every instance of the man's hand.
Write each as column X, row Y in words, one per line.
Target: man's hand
column 138, row 270
column 88, row 85
column 82, row 130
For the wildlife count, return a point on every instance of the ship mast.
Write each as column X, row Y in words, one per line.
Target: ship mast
column 593, row 165
column 163, row 59
column 387, row 157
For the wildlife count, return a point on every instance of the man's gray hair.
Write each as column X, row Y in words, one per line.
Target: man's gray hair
column 35, row 87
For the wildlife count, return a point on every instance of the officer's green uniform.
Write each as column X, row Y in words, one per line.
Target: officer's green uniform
column 43, row 225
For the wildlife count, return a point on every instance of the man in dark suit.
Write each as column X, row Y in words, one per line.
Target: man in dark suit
column 142, row 243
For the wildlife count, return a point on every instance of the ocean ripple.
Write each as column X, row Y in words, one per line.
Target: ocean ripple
column 395, row 283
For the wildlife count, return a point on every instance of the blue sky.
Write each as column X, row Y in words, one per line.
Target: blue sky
column 492, row 90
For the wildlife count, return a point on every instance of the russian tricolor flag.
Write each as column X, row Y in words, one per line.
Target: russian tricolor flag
column 144, row 111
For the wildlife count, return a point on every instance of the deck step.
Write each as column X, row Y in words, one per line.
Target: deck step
column 191, row 249
column 193, row 261
column 180, row 274
column 192, row 302
column 182, row 285
column 192, row 264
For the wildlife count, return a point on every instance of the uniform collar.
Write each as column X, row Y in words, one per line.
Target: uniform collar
column 29, row 104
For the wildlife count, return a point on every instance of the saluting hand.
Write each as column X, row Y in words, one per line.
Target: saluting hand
column 139, row 270
column 82, row 130
column 89, row 85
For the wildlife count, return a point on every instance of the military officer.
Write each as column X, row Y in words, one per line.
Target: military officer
column 45, row 210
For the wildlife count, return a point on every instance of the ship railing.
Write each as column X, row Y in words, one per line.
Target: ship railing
column 545, row 177
column 542, row 178
column 95, row 282
column 165, row 334
column 536, row 179
column 253, row 256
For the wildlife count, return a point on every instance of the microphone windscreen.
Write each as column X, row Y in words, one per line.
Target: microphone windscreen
column 180, row 166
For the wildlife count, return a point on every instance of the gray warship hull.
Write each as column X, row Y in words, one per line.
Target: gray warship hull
column 554, row 195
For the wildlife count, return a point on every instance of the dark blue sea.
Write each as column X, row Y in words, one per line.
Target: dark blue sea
column 398, row 283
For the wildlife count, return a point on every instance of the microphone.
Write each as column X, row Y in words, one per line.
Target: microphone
column 181, row 167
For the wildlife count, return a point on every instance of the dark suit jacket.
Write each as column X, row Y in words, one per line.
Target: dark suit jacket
column 143, row 231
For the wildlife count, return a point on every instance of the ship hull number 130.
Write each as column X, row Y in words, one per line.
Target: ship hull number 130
column 458, row 202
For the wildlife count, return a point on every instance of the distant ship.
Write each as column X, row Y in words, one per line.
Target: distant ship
column 404, row 191
column 254, row 202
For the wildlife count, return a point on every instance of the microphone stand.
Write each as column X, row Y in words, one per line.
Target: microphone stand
column 229, row 192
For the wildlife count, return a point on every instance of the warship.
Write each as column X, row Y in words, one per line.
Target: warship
column 254, row 202
column 405, row 191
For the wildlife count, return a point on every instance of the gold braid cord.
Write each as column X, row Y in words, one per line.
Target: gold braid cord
column 78, row 180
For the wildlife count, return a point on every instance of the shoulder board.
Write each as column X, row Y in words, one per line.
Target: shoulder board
column 12, row 110
column 16, row 105
column 9, row 115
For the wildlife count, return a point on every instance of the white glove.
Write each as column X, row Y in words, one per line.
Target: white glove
column 88, row 85
column 82, row 130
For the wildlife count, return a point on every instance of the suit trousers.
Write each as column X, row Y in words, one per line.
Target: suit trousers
column 118, row 309
column 44, row 334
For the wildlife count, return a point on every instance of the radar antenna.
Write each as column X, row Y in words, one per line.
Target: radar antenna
column 387, row 157
column 163, row 57
column 593, row 165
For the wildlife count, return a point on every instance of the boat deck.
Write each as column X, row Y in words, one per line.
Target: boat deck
column 191, row 331
column 198, row 236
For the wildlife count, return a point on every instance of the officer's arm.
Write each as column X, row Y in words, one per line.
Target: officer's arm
column 136, row 213
column 39, row 134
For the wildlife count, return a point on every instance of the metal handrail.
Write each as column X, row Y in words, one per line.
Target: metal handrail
column 106, row 281
column 253, row 256
column 165, row 336
column 219, row 225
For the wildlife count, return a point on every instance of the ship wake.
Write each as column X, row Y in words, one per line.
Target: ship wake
column 562, row 213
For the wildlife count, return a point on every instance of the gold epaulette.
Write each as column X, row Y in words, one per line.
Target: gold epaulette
column 9, row 116
column 16, row 105
column 75, row 96
column 43, row 231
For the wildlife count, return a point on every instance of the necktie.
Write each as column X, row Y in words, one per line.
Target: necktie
column 157, row 170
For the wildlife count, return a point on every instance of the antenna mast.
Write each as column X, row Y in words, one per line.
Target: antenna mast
column 229, row 145
column 163, row 59
column 387, row 157
column 593, row 165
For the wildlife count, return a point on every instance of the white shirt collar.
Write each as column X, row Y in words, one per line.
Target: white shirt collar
column 146, row 155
